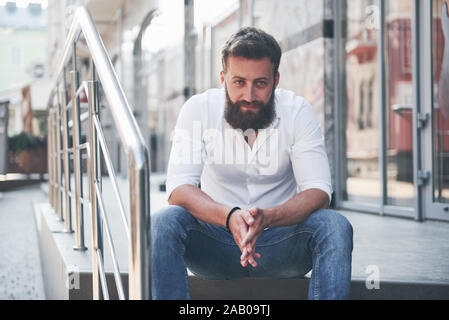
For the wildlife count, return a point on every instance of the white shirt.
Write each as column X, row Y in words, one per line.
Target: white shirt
column 287, row 157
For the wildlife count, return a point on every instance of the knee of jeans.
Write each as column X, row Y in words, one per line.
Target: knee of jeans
column 171, row 219
column 339, row 228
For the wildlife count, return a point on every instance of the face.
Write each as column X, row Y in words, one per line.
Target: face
column 249, row 85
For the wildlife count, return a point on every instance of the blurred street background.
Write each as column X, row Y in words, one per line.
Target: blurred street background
column 375, row 77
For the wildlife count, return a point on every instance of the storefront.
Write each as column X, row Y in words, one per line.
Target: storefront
column 377, row 73
column 392, row 107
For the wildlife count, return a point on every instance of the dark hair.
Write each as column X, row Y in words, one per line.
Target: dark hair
column 252, row 43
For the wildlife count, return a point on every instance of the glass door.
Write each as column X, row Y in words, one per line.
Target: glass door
column 395, row 151
column 436, row 157
column 362, row 177
column 398, row 103
column 379, row 116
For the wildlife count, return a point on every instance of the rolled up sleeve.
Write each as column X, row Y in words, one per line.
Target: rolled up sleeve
column 308, row 153
column 186, row 156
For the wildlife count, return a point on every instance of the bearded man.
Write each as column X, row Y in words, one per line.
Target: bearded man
column 248, row 185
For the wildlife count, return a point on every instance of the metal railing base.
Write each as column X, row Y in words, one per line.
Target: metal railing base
column 79, row 248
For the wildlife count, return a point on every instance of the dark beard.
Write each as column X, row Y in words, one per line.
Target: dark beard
column 245, row 120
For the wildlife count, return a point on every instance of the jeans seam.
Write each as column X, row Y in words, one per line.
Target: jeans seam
column 316, row 269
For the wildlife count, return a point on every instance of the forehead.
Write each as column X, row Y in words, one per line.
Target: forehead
column 249, row 68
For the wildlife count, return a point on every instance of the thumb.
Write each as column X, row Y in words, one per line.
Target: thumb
column 253, row 211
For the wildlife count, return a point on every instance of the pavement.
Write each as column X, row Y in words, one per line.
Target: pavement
column 20, row 265
column 20, row 271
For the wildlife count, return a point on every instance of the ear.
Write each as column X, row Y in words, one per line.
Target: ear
column 276, row 79
column 222, row 77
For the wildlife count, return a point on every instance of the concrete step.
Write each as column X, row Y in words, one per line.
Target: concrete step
column 67, row 275
column 297, row 289
column 67, row 272
column 13, row 181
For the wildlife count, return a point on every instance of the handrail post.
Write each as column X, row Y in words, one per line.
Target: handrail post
column 54, row 161
column 97, row 243
column 140, row 223
column 66, row 161
column 50, row 146
column 79, row 212
column 58, row 158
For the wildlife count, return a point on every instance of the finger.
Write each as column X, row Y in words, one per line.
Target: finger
column 249, row 236
column 251, row 252
column 244, row 259
column 253, row 211
column 247, row 217
column 252, row 262
column 242, row 232
column 250, row 256
column 244, row 255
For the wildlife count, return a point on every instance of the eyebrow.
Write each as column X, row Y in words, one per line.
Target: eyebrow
column 257, row 79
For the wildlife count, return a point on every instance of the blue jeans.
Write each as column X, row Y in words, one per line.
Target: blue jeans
column 321, row 243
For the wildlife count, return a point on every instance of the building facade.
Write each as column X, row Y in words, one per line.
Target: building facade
column 375, row 71
column 23, row 64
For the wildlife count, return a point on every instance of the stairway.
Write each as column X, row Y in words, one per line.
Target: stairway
column 410, row 264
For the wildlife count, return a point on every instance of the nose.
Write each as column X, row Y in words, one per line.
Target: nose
column 249, row 94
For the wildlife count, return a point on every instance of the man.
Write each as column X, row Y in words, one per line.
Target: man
column 248, row 185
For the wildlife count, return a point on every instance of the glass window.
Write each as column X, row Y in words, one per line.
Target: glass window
column 399, row 102
column 298, row 28
column 362, row 125
column 440, row 100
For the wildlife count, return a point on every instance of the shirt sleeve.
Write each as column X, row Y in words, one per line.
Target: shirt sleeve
column 308, row 153
column 185, row 163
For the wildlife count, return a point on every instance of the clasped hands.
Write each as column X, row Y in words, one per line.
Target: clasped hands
column 246, row 227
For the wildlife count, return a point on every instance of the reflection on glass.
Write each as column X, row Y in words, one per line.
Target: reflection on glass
column 362, row 127
column 284, row 19
column 441, row 100
column 399, row 102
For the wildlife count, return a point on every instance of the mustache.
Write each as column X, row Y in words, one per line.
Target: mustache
column 256, row 103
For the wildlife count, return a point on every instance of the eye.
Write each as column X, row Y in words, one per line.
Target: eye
column 238, row 82
column 261, row 83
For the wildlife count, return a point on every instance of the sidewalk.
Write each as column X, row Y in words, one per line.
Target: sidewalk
column 20, row 266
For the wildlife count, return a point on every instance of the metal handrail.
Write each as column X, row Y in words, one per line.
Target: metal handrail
column 59, row 154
